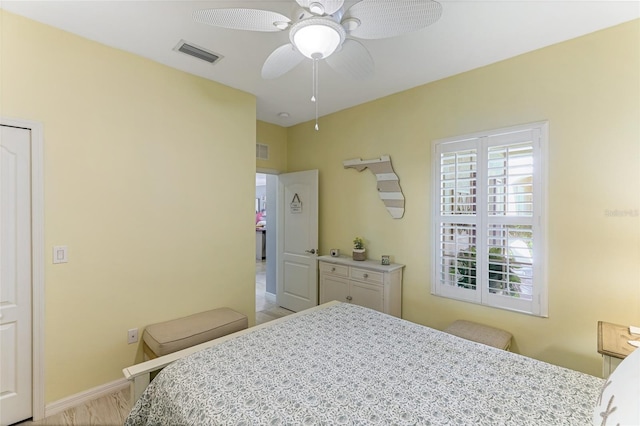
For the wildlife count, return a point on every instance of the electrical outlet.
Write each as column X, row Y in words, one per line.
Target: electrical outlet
column 132, row 335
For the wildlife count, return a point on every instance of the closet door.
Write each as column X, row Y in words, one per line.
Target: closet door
column 15, row 275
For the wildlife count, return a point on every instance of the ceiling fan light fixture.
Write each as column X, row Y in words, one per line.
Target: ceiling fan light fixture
column 317, row 38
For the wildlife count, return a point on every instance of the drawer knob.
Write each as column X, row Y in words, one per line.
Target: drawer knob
column 349, row 298
column 366, row 275
column 333, row 269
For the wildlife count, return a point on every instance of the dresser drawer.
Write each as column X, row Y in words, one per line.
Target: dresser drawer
column 365, row 283
column 330, row 268
column 367, row 276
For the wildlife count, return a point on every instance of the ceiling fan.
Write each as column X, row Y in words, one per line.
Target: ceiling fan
column 323, row 29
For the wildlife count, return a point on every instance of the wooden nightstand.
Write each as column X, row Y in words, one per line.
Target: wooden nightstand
column 613, row 344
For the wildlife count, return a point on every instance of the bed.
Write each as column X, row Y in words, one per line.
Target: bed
column 344, row 364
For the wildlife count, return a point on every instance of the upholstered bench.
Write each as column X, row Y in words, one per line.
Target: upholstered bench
column 481, row 333
column 171, row 336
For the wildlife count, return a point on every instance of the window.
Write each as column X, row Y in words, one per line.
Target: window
column 489, row 221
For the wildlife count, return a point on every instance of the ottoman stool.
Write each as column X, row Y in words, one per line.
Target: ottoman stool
column 480, row 333
column 171, row 336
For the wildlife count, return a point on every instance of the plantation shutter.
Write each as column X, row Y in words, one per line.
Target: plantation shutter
column 457, row 222
column 508, row 218
column 488, row 219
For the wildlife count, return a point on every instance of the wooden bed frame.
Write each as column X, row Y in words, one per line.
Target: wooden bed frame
column 140, row 374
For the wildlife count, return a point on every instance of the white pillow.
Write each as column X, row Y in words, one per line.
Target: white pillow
column 619, row 402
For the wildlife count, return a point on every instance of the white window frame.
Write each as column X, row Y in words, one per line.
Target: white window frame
column 539, row 135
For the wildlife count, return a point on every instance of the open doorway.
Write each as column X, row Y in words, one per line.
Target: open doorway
column 267, row 307
column 264, row 299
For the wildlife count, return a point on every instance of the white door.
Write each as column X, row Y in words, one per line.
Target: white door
column 297, row 270
column 15, row 276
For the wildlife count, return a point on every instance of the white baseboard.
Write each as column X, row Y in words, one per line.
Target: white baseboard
column 84, row 397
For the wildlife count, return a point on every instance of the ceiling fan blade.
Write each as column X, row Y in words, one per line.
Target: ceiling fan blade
column 243, row 19
column 281, row 60
column 383, row 19
column 353, row 60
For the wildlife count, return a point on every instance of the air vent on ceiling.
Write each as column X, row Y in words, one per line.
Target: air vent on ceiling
column 262, row 151
column 197, row 52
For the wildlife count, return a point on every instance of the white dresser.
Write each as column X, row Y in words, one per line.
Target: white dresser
column 365, row 283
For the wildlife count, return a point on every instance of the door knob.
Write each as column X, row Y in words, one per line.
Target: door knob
column 349, row 298
column 312, row 251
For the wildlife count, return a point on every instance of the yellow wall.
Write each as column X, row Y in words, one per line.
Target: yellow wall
column 589, row 90
column 149, row 180
column 276, row 137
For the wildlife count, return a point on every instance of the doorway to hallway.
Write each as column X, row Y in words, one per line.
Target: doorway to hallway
column 267, row 307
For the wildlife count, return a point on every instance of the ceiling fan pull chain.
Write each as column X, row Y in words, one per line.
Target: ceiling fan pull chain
column 315, row 88
column 313, row 80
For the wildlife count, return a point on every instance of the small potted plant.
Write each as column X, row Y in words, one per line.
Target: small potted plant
column 358, row 249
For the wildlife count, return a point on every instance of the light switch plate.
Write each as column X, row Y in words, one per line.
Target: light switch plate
column 60, row 254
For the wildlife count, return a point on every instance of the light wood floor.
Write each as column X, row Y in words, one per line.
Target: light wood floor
column 112, row 409
column 266, row 307
column 109, row 410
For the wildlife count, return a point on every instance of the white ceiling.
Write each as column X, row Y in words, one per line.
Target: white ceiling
column 469, row 35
